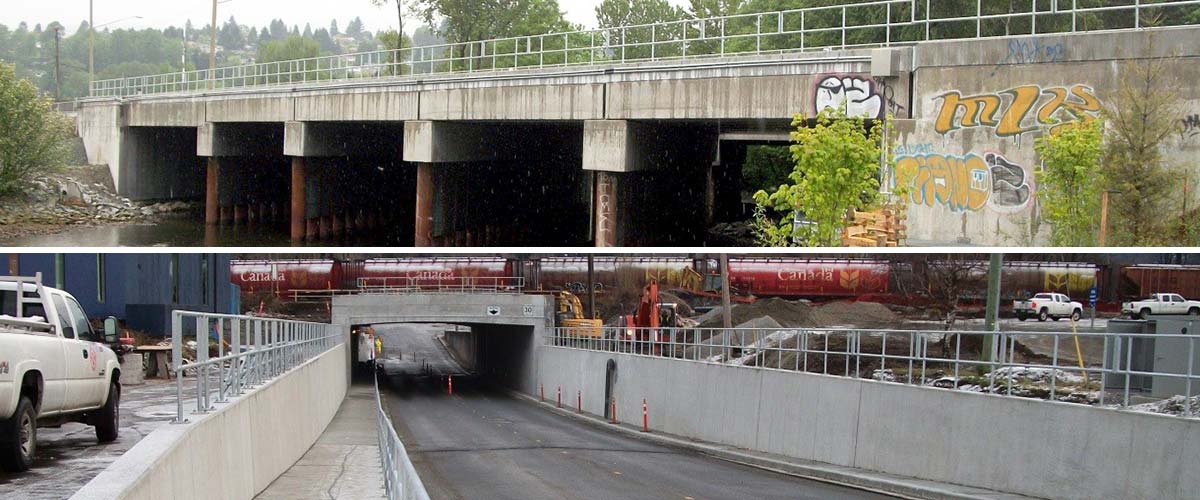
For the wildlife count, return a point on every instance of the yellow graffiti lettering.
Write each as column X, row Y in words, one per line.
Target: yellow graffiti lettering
column 959, row 183
column 977, row 110
column 1079, row 103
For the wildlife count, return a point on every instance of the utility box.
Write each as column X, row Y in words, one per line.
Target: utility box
column 1175, row 355
column 1161, row 355
column 1132, row 353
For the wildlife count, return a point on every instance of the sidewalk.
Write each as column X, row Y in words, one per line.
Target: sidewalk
column 344, row 462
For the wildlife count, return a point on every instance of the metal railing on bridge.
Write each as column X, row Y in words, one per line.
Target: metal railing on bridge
column 879, row 23
column 249, row 350
column 1087, row 368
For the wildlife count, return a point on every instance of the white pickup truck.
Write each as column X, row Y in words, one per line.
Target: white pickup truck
column 1045, row 306
column 1161, row 303
column 53, row 369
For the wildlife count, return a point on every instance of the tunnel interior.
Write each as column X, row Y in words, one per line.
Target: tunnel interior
column 490, row 356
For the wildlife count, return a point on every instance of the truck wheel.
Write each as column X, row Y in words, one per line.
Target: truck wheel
column 1021, row 317
column 1075, row 315
column 18, row 438
column 109, row 416
column 1195, row 311
column 1043, row 315
column 1145, row 313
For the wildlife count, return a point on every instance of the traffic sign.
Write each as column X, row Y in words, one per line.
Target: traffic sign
column 1092, row 296
column 493, row 310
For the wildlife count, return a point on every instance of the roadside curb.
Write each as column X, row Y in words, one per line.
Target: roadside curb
column 861, row 479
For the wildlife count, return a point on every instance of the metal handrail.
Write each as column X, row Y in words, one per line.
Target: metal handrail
column 400, row 479
column 713, row 37
column 439, row 284
column 250, row 351
column 840, row 351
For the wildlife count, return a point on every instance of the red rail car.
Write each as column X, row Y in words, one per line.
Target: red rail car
column 435, row 271
column 1141, row 280
column 284, row 276
column 570, row 273
column 808, row 277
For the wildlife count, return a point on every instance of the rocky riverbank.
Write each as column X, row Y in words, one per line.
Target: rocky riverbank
column 76, row 196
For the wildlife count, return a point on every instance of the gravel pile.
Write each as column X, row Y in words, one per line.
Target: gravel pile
column 69, row 198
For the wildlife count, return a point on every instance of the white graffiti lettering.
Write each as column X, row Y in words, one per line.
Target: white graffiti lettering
column 859, row 95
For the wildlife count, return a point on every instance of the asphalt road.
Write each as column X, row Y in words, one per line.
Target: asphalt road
column 409, row 347
column 478, row 443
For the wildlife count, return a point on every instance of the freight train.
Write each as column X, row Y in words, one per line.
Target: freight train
column 814, row 278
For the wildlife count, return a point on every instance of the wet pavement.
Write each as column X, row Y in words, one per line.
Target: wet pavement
column 69, row 456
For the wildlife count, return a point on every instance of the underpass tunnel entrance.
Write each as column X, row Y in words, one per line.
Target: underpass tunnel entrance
column 481, row 355
column 160, row 163
column 530, row 192
column 750, row 158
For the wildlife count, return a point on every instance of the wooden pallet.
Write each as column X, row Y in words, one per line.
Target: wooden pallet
column 881, row 228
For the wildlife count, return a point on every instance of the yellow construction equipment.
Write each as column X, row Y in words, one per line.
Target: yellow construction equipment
column 570, row 316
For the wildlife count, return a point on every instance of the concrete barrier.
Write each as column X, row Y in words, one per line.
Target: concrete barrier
column 237, row 450
column 1023, row 446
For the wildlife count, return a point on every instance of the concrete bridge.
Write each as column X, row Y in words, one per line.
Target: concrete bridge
column 608, row 152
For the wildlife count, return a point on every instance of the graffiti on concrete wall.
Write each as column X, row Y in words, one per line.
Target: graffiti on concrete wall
column 1017, row 110
column 859, row 94
column 1032, row 50
column 964, row 183
column 1191, row 127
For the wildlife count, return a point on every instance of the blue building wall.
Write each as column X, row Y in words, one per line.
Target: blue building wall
column 140, row 289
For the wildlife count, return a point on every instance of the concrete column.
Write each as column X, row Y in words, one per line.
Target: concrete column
column 423, row 234
column 297, row 216
column 210, row 192
column 605, row 224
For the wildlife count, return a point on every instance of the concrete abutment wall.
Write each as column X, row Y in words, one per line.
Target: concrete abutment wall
column 1030, row 447
column 237, row 450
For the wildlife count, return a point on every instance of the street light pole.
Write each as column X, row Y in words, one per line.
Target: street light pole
column 212, row 48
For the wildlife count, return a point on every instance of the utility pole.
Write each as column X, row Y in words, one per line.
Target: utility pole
column 991, row 323
column 1103, row 217
column 212, row 48
column 726, row 314
column 57, row 69
column 91, row 44
column 591, row 286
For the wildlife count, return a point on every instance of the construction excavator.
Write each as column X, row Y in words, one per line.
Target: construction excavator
column 651, row 325
column 569, row 315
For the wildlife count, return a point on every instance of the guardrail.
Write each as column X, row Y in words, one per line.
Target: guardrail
column 400, row 479
column 1042, row 365
column 250, row 350
column 879, row 23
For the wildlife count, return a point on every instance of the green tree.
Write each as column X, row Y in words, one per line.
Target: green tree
column 837, row 164
column 293, row 47
column 766, row 167
column 33, row 137
column 635, row 42
column 1069, row 183
column 1144, row 115
column 399, row 40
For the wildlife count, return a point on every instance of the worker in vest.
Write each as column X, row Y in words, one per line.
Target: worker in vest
column 378, row 345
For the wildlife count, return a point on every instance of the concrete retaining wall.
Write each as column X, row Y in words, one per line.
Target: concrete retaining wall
column 239, row 449
column 972, row 175
column 1052, row 450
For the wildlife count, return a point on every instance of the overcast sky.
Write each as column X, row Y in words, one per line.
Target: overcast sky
column 163, row 13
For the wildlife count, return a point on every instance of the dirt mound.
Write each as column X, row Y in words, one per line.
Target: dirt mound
column 859, row 314
column 798, row 314
column 681, row 306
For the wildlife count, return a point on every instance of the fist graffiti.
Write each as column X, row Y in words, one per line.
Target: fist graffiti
column 858, row 94
column 1009, row 189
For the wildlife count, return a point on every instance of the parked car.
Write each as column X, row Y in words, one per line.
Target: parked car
column 1160, row 303
column 1045, row 306
column 53, row 369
